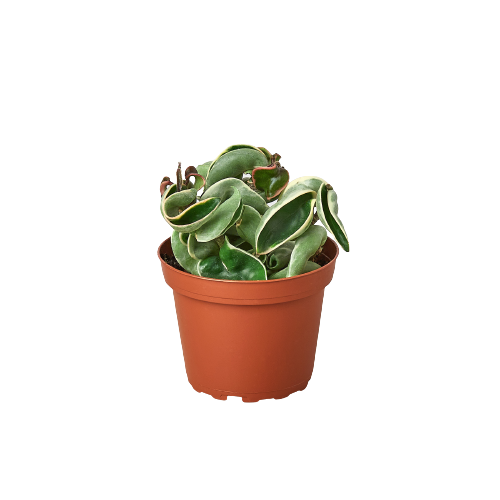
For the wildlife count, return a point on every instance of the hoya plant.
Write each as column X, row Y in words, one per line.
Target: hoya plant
column 239, row 217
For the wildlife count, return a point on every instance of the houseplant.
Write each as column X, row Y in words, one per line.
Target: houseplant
column 248, row 265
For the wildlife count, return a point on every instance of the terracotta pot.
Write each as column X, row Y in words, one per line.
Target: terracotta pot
column 252, row 339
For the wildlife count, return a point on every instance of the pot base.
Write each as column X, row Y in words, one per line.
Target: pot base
column 252, row 397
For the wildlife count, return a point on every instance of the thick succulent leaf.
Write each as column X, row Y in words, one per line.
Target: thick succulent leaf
column 305, row 248
column 310, row 266
column 195, row 216
column 267, row 153
column 182, row 255
column 285, row 221
column 327, row 213
column 199, row 181
column 230, row 207
column 231, row 231
column 232, row 264
column 306, row 182
column 249, row 197
column 234, row 164
column 212, row 267
column 280, row 258
column 172, row 203
column 184, row 237
column 247, row 225
column 233, row 148
column 203, row 169
column 199, row 251
column 239, row 262
column 272, row 180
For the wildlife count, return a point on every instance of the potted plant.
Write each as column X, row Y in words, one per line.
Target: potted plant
column 248, row 265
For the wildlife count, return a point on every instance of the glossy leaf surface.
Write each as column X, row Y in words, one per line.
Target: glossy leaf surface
column 327, row 213
column 272, row 180
column 195, row 216
column 232, row 264
column 172, row 203
column 285, row 221
column 305, row 182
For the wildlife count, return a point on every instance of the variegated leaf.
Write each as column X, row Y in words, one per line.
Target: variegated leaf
column 306, row 247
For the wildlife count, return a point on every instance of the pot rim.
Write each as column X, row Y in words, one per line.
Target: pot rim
column 184, row 273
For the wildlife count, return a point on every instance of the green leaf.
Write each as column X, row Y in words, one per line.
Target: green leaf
column 193, row 217
column 272, row 180
column 182, row 255
column 247, row 225
column 249, row 197
column 280, row 258
column 200, row 251
column 310, row 266
column 232, row 264
column 285, row 221
column 203, row 169
column 172, row 203
column 184, row 237
column 234, row 164
column 306, row 182
column 225, row 216
column 306, row 247
column 267, row 153
column 327, row 213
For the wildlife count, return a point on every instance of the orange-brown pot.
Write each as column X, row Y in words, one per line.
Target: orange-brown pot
column 252, row 339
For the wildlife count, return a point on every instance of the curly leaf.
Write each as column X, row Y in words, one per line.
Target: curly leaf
column 200, row 251
column 182, row 255
column 267, row 153
column 285, row 221
column 173, row 203
column 184, row 237
column 327, row 213
column 280, row 258
column 225, row 216
column 193, row 217
column 272, row 180
column 306, row 247
column 310, row 266
column 234, row 164
column 232, row 264
column 203, row 168
column 306, row 182
column 249, row 197
column 248, row 224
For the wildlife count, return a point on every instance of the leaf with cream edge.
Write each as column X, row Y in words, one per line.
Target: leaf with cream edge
column 305, row 182
column 200, row 251
column 306, row 247
column 203, row 169
column 285, row 221
column 327, row 213
column 228, row 212
column 194, row 216
column 229, row 149
column 247, row 225
column 310, row 266
column 172, row 203
column 234, row 164
column 181, row 253
column 249, row 197
column 232, row 264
